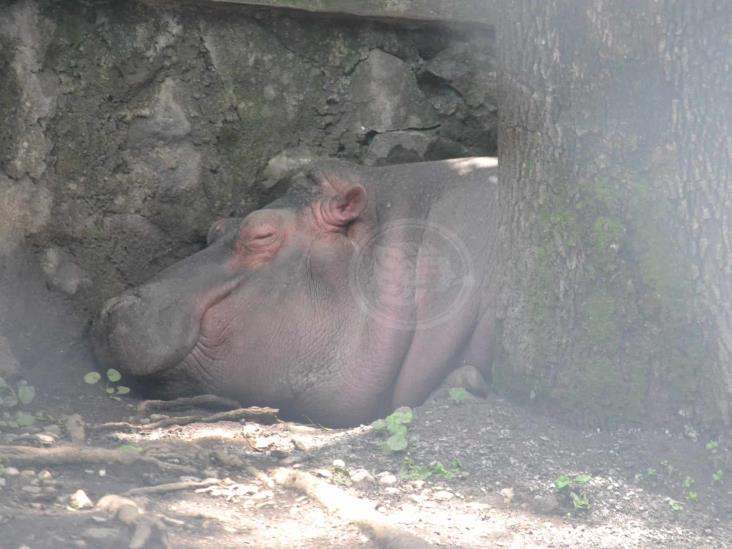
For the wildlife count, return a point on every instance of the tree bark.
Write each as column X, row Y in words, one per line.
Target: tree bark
column 615, row 144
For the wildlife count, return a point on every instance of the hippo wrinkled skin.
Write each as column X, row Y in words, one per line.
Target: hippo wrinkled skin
column 355, row 293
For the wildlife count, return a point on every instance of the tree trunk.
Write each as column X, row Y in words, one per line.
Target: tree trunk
column 615, row 148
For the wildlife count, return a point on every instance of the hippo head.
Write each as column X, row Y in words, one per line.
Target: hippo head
column 264, row 313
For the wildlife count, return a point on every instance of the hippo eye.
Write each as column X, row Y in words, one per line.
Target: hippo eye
column 261, row 236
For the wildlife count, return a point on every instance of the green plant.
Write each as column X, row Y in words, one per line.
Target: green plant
column 113, row 377
column 651, row 472
column 712, row 445
column 688, row 482
column 580, row 501
column 717, row 476
column 692, row 496
column 458, row 395
column 676, row 506
column 15, row 397
column 414, row 471
column 395, row 426
column 571, row 481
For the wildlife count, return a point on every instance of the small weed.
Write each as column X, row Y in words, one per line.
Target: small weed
column 651, row 473
column 113, row 377
column 717, row 476
column 414, row 471
column 15, row 397
column 692, row 496
column 580, row 501
column 458, row 395
column 688, row 482
column 571, row 487
column 395, row 426
column 571, row 481
column 676, row 506
column 712, row 445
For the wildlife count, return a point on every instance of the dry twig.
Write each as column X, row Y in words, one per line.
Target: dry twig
column 65, row 455
column 356, row 510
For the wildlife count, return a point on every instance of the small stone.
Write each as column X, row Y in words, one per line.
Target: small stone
column 507, row 495
column 45, row 475
column 31, row 489
column 339, row 464
column 361, row 475
column 11, row 472
column 324, row 473
column 386, row 478
column 45, row 439
column 443, row 495
column 28, row 473
column 102, row 472
column 79, row 500
column 3, row 482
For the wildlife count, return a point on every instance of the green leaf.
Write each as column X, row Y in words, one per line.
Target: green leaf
column 396, row 443
column 110, row 390
column 676, row 506
column 562, row 482
column 580, row 501
column 26, row 393
column 122, row 390
column 92, row 377
column 113, row 375
column 379, row 425
column 24, row 419
column 458, row 395
column 579, row 480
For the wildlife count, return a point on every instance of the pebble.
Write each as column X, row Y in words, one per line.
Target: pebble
column 28, row 473
column 79, row 500
column 386, row 477
column 361, row 475
column 443, row 495
column 45, row 475
column 339, row 464
column 45, row 438
column 32, row 489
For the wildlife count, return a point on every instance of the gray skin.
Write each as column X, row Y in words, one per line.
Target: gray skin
column 356, row 293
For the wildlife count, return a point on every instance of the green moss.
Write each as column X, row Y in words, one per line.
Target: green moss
column 10, row 101
column 628, row 320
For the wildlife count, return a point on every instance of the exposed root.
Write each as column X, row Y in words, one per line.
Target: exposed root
column 64, row 455
column 206, row 401
column 356, row 510
column 265, row 416
column 172, row 487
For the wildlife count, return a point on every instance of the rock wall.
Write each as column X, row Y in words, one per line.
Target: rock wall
column 128, row 127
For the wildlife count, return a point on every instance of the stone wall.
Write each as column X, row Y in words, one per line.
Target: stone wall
column 128, row 127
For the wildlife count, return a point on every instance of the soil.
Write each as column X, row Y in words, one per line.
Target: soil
column 476, row 473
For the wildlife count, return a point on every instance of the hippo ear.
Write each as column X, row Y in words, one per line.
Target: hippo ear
column 345, row 206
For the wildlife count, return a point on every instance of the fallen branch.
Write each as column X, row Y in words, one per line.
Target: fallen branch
column 65, row 455
column 171, row 487
column 265, row 416
column 206, row 401
column 356, row 510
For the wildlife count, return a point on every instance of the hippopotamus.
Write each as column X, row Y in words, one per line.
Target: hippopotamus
column 357, row 292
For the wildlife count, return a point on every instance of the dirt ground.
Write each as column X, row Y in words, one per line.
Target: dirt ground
column 476, row 473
